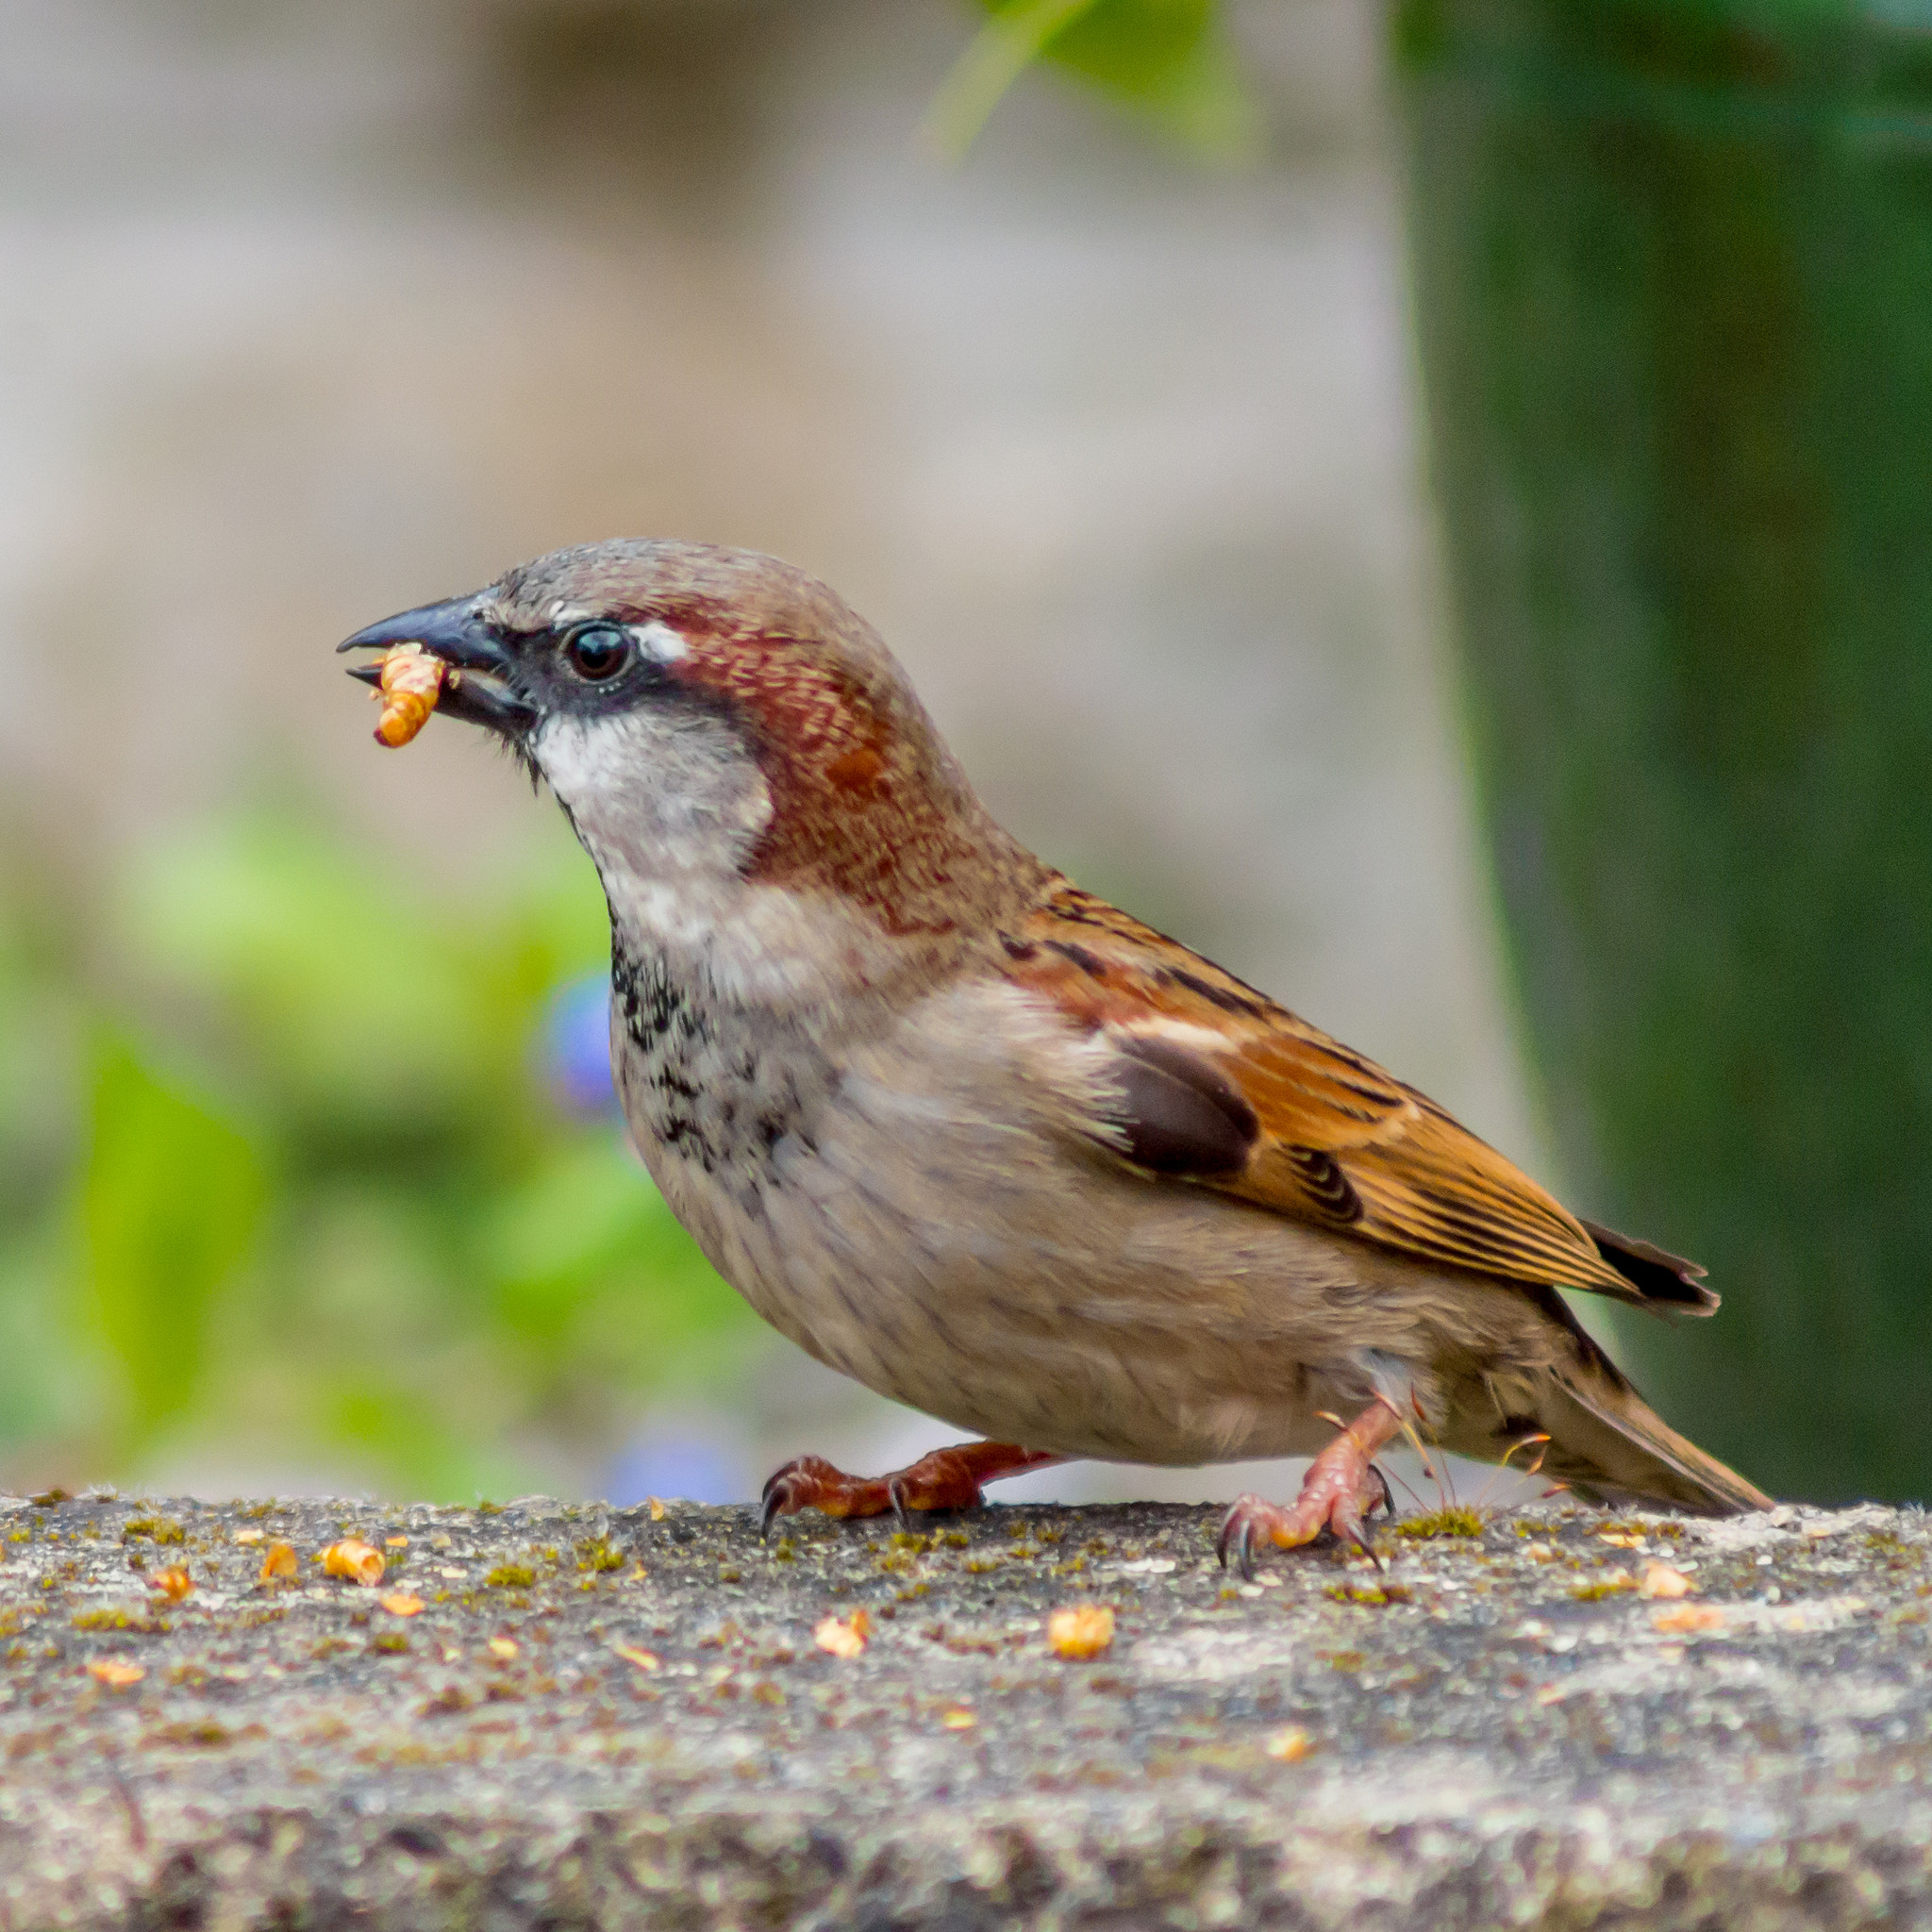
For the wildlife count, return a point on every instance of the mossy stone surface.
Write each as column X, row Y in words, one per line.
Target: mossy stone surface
column 1494, row 1729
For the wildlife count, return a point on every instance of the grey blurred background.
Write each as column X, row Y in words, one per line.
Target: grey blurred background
column 307, row 314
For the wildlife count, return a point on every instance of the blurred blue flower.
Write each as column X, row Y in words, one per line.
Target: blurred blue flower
column 574, row 1045
column 688, row 1463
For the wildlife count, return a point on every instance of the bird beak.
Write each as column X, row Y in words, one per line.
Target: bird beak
column 480, row 687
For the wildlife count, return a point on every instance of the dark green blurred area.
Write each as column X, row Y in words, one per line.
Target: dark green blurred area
column 285, row 1179
column 1674, row 288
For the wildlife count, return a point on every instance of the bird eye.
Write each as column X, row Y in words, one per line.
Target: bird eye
column 596, row 651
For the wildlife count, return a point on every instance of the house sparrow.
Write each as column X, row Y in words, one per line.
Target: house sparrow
column 986, row 1143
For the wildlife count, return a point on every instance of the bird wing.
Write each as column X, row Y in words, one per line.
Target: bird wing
column 1222, row 1088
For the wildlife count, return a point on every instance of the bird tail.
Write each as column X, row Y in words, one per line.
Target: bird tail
column 1605, row 1442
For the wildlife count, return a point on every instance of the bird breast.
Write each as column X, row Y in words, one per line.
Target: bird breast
column 711, row 1087
column 911, row 1202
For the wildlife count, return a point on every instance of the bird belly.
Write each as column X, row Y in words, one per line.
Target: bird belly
column 1142, row 1341
column 979, row 1269
column 916, row 1213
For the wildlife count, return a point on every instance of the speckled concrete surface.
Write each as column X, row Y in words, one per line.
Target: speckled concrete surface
column 606, row 1719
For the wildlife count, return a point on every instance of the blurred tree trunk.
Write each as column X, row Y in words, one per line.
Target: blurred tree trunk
column 1672, row 270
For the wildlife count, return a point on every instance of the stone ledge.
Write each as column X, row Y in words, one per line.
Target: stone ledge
column 611, row 1718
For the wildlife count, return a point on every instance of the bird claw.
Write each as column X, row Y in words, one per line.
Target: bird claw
column 1339, row 1492
column 944, row 1480
column 804, row 1483
column 1237, row 1532
column 1385, row 1503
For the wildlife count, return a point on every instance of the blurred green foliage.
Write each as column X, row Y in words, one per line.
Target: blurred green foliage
column 285, row 1188
column 171, row 1201
column 1167, row 60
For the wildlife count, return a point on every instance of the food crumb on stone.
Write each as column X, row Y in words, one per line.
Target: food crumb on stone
column 1687, row 1616
column 354, row 1559
column 172, row 1583
column 844, row 1636
column 1080, row 1631
column 279, row 1564
column 1660, row 1579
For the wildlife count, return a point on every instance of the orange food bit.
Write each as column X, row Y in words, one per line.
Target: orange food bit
column 1687, row 1617
column 174, row 1582
column 354, row 1558
column 411, row 682
column 843, row 1636
column 402, row 1602
column 1080, row 1631
column 278, row 1564
column 1660, row 1579
column 116, row 1675
column 643, row 1659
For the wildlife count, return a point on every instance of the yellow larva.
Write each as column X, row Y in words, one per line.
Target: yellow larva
column 411, row 681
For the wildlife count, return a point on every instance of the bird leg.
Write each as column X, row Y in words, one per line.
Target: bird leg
column 1341, row 1487
column 947, row 1478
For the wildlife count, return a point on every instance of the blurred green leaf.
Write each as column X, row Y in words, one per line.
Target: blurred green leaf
column 409, row 1268
column 389, row 1419
column 41, row 1028
column 370, row 1001
column 1016, row 36
column 587, row 1206
column 1167, row 59
column 50, row 1388
column 590, row 1265
column 171, row 1200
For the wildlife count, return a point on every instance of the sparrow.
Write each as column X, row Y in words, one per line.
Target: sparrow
column 987, row 1144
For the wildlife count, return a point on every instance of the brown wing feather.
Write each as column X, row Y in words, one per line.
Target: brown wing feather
column 1335, row 1139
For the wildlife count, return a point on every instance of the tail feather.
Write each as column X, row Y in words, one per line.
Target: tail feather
column 1606, row 1440
column 1658, row 1279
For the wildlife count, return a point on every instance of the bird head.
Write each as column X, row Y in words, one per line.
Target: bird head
column 715, row 721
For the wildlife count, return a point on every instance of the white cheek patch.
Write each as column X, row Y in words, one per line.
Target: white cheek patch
column 657, row 643
column 652, row 795
column 669, row 807
column 584, row 760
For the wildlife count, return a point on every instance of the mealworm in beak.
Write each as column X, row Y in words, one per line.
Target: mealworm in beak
column 411, row 681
